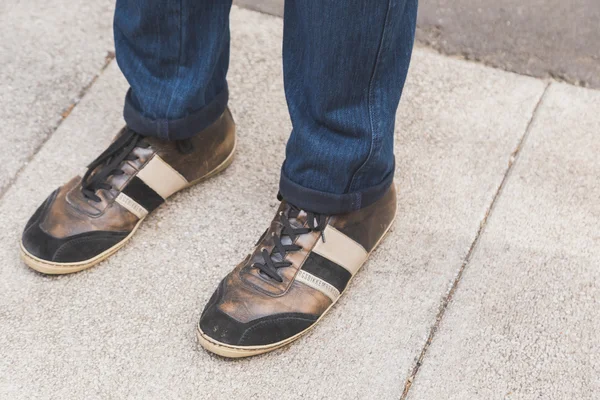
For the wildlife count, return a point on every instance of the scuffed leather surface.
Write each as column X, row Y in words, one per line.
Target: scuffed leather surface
column 73, row 248
column 71, row 213
column 367, row 225
column 79, row 215
column 261, row 331
column 246, row 295
column 210, row 148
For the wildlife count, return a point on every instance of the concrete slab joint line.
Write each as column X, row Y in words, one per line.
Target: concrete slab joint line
column 64, row 115
column 448, row 298
column 524, row 323
column 49, row 54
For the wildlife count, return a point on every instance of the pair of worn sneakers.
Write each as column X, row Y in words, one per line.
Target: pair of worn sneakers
column 296, row 272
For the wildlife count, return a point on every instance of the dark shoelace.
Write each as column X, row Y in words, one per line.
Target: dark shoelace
column 110, row 160
column 276, row 258
column 107, row 164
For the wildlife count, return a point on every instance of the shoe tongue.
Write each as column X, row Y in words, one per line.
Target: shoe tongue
column 296, row 219
column 296, row 216
column 130, row 167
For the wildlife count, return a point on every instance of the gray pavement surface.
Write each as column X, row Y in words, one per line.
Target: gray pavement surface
column 49, row 54
column 125, row 329
column 543, row 38
column 525, row 322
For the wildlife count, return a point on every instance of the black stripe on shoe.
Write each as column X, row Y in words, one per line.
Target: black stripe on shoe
column 327, row 270
column 143, row 194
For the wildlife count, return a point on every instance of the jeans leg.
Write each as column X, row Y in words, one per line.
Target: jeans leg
column 175, row 55
column 345, row 63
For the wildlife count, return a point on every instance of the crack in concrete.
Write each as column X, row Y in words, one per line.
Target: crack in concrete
column 110, row 56
column 450, row 294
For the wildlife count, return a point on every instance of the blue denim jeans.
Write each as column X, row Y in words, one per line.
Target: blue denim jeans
column 344, row 64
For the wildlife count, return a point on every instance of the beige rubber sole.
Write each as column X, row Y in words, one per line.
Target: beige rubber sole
column 52, row 268
column 231, row 351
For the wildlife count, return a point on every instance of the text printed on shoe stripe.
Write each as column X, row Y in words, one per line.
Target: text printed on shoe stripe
column 318, row 284
column 131, row 205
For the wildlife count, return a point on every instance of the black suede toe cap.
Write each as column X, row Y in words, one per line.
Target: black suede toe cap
column 76, row 248
column 261, row 331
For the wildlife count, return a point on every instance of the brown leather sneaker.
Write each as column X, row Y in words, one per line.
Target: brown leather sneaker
column 90, row 218
column 298, row 270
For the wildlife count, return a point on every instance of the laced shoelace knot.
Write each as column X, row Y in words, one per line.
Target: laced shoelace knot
column 284, row 242
column 109, row 162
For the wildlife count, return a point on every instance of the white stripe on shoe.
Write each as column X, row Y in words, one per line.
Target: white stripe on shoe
column 131, row 205
column 341, row 250
column 161, row 177
column 318, row 284
column 332, row 263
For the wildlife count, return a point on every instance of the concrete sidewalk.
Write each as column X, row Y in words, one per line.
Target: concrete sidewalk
column 487, row 287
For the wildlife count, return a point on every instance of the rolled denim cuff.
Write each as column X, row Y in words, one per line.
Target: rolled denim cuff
column 175, row 129
column 330, row 203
